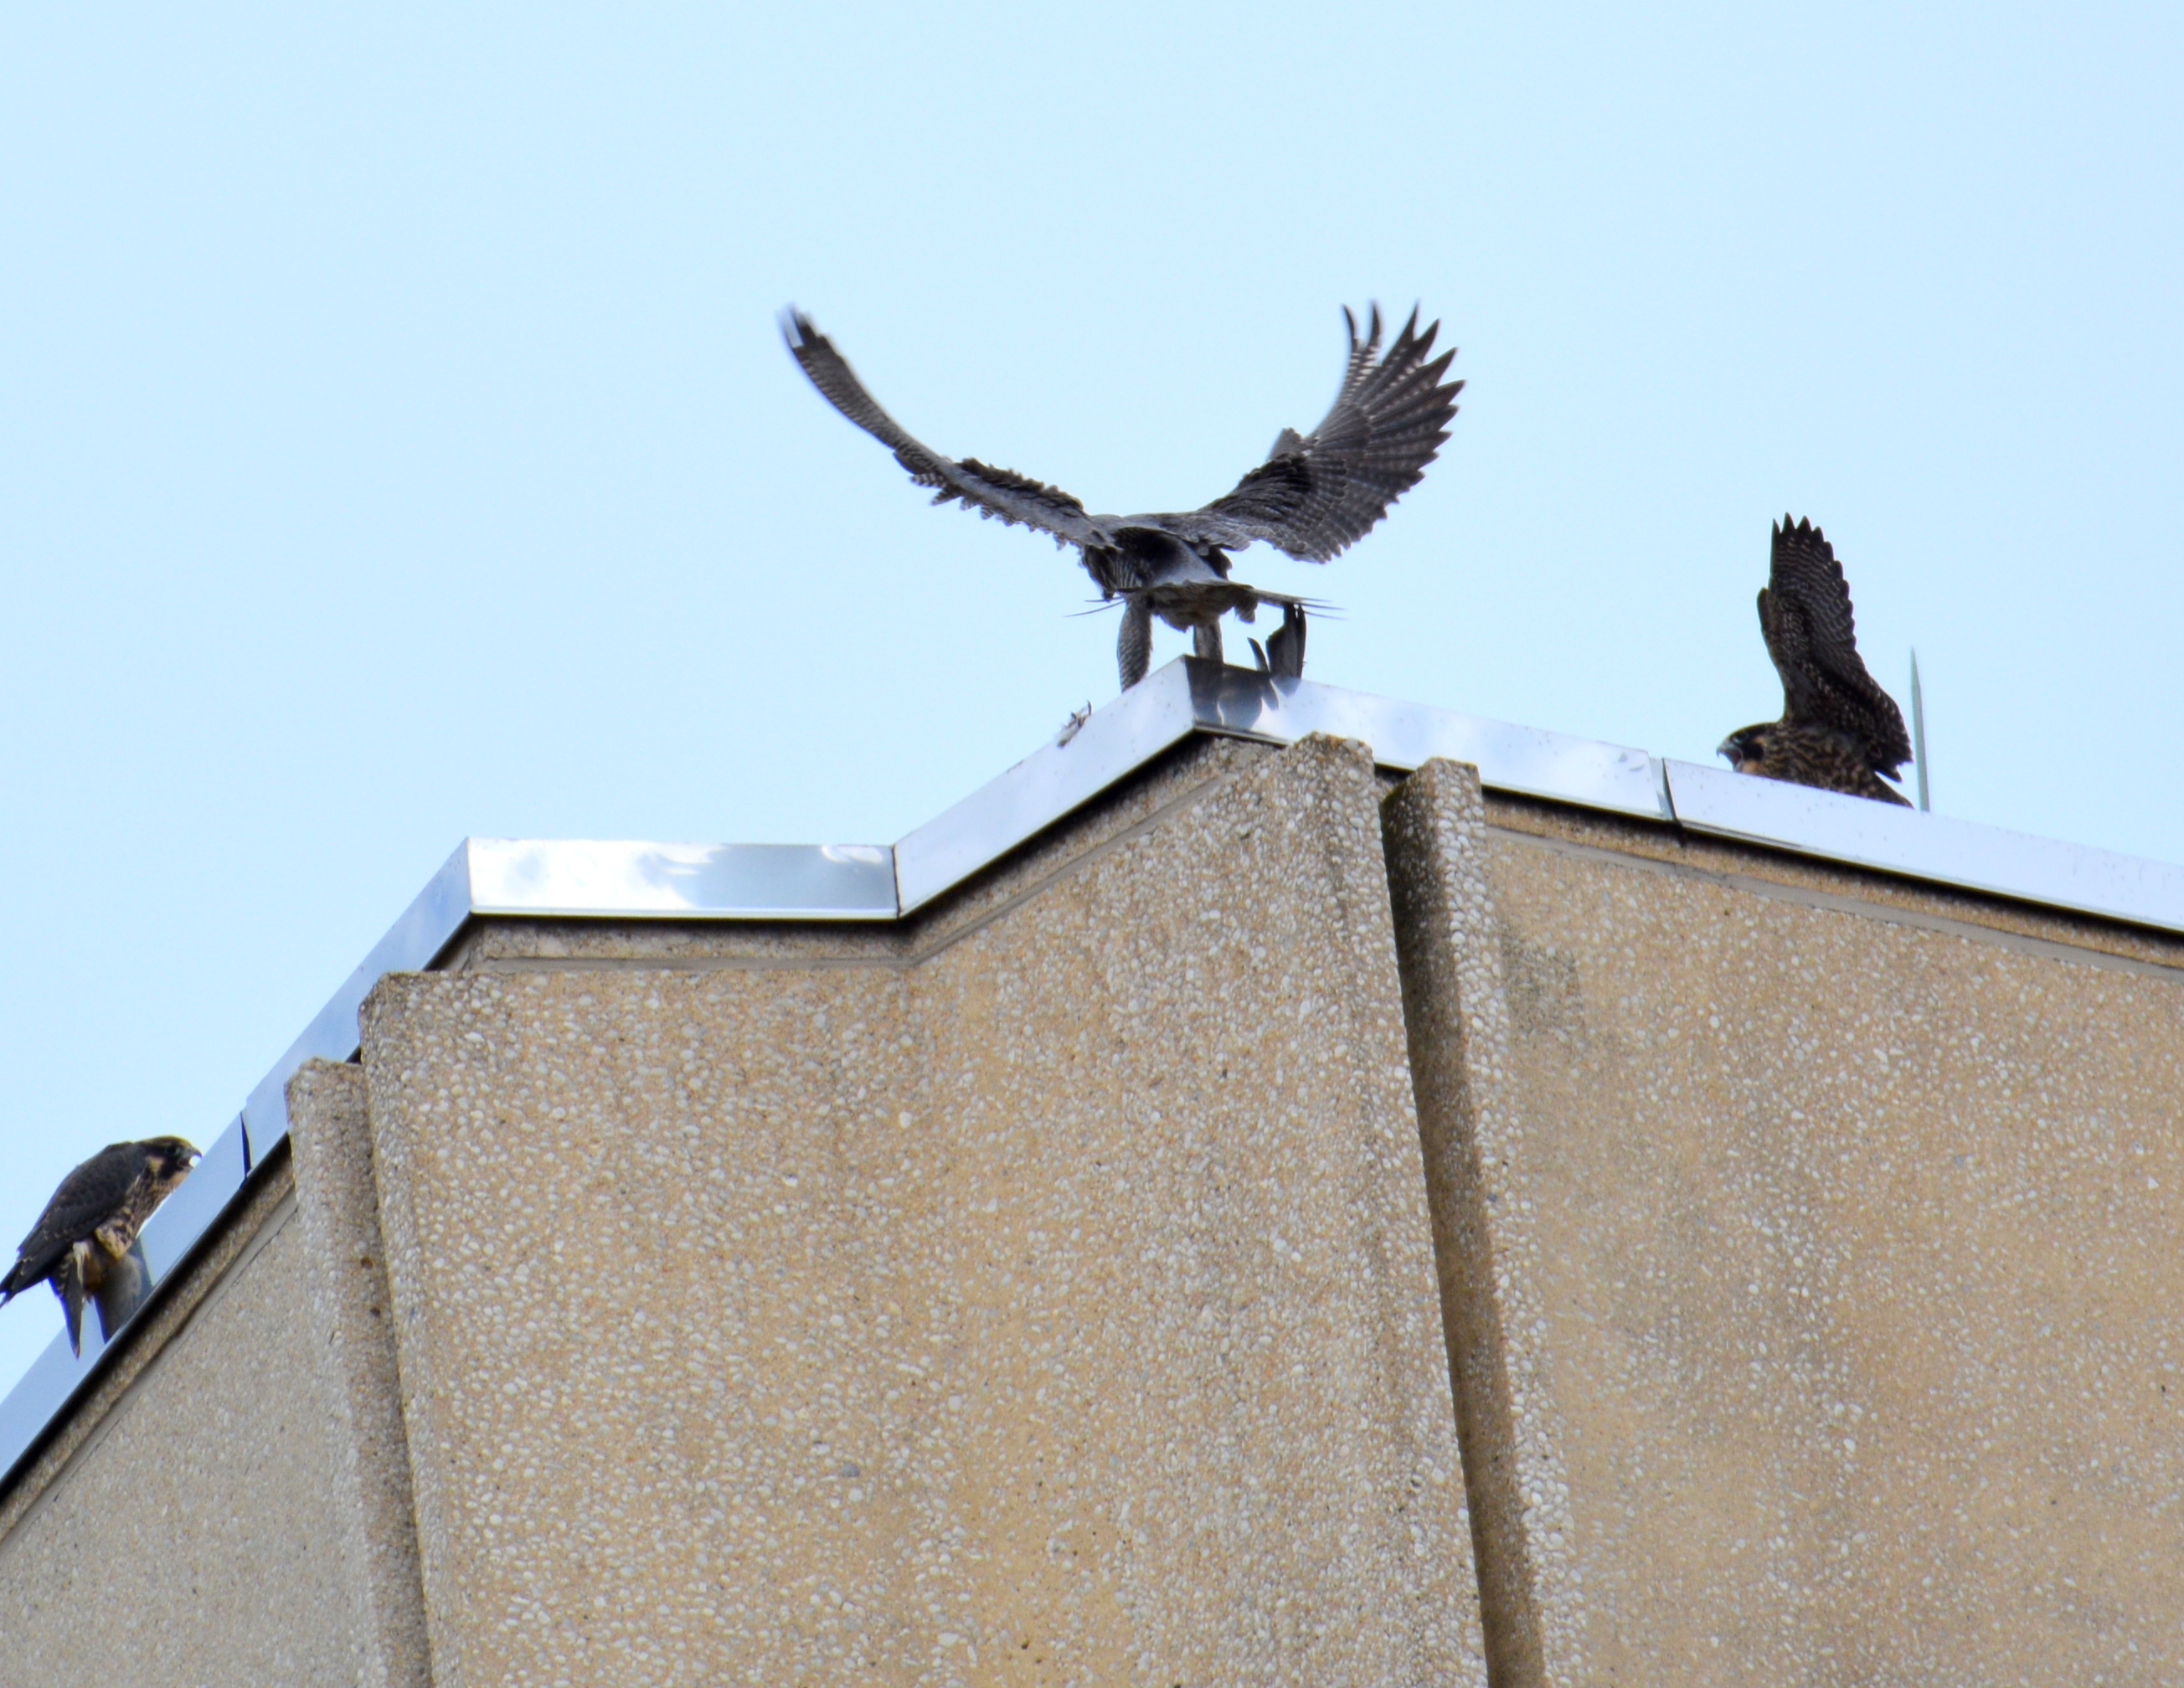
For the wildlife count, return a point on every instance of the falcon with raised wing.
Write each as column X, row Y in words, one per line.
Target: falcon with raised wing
column 1839, row 730
column 1314, row 496
column 93, row 1220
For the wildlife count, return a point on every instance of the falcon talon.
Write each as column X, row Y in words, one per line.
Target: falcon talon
column 1316, row 494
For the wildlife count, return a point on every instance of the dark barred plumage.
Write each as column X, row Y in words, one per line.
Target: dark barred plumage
column 1839, row 730
column 93, row 1220
column 1316, row 494
column 1806, row 753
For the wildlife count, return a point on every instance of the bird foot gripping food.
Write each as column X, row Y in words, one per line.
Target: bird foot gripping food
column 1314, row 496
column 82, row 1242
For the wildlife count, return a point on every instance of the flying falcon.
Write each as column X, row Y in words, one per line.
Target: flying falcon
column 1839, row 730
column 1313, row 496
column 93, row 1220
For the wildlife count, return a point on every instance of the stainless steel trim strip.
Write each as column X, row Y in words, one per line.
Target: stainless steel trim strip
column 1189, row 696
column 580, row 877
column 431, row 920
column 181, row 1222
column 606, row 879
column 708, row 881
column 1925, row 846
column 1526, row 760
column 1055, row 778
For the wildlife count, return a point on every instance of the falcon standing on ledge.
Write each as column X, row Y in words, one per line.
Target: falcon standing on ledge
column 1313, row 496
column 93, row 1220
column 1839, row 730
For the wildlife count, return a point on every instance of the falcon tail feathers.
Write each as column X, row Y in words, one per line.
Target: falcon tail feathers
column 68, row 1284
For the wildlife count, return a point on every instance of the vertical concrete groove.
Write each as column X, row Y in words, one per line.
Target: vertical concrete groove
column 1362, row 940
column 1061, row 1309
column 338, row 1199
column 1456, row 1020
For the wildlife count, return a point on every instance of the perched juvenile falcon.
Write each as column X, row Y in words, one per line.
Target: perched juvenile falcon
column 1314, row 496
column 91, row 1221
column 1839, row 730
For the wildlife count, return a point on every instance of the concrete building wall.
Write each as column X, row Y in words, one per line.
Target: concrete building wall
column 1823, row 1259
column 373, row 1517
column 1055, row 1307
column 1091, row 1279
column 177, row 1533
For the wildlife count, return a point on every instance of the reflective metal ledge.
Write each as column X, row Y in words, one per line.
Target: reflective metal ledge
column 1931, row 847
column 718, row 882
column 1189, row 697
column 579, row 877
column 870, row 883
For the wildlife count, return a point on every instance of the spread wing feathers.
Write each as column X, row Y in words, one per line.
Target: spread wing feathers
column 1316, row 496
column 991, row 491
column 97, row 1189
column 1805, row 614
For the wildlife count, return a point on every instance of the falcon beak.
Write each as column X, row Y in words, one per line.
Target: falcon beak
column 1727, row 751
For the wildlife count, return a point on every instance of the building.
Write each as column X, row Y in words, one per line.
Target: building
column 1237, row 1200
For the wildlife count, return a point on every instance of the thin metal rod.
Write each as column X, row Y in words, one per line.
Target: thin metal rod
column 1919, row 731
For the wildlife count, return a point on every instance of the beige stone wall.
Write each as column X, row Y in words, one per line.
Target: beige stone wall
column 352, row 1320
column 178, row 1534
column 1087, row 1281
column 1057, row 1307
column 1825, row 1262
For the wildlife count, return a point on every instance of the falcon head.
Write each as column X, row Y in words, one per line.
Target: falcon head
column 1745, row 750
column 168, row 1161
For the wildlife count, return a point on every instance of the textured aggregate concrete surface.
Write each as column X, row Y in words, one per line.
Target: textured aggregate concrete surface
column 182, row 1541
column 1059, row 1286
column 1769, row 871
column 1826, row 1262
column 345, row 1273
column 1059, row 1308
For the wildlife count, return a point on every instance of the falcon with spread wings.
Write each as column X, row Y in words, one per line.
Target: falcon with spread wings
column 1839, row 730
column 1314, row 496
column 93, row 1220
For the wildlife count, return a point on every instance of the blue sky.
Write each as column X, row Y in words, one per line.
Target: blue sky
column 396, row 443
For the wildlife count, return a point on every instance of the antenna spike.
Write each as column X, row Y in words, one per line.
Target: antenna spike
column 1918, row 732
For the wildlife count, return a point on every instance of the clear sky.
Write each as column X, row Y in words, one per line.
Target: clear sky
column 396, row 443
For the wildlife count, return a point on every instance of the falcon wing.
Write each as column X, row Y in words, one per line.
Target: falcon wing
column 86, row 1197
column 1314, row 497
column 991, row 491
column 1805, row 614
